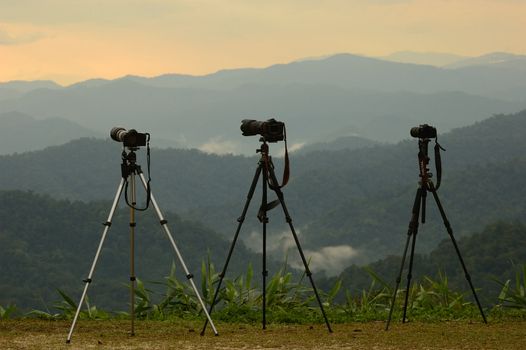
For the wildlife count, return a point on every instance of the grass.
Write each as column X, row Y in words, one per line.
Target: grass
column 184, row 334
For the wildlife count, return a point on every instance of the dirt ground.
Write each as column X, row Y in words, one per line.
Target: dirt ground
column 114, row 334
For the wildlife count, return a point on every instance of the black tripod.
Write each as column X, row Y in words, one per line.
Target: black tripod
column 130, row 169
column 266, row 167
column 426, row 185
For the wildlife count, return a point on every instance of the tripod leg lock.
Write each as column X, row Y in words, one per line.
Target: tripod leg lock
column 133, row 224
column 87, row 280
column 107, row 223
column 308, row 273
column 241, row 219
column 132, row 278
column 288, row 219
column 163, row 222
column 265, row 273
column 189, row 276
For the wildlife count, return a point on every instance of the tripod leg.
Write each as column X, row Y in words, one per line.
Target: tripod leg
column 450, row 232
column 264, row 219
column 412, row 255
column 424, row 200
column 281, row 199
column 87, row 281
column 189, row 276
column 413, row 224
column 409, row 274
column 132, row 254
column 240, row 221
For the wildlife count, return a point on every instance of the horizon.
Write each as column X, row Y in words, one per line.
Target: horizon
column 67, row 43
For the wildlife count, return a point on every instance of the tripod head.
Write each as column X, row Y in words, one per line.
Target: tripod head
column 423, row 162
column 425, row 133
column 129, row 167
column 266, row 160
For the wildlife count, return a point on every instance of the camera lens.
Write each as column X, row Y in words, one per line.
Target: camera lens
column 117, row 134
column 415, row 132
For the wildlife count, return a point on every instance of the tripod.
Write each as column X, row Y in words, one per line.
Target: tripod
column 130, row 169
column 266, row 167
column 426, row 185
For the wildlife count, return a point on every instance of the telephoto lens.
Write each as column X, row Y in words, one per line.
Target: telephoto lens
column 117, row 134
column 130, row 138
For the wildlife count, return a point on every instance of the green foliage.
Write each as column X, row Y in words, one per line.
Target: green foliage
column 289, row 301
column 514, row 297
column 7, row 312
column 370, row 304
column 67, row 308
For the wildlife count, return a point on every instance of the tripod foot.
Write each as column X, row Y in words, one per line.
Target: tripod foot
column 68, row 341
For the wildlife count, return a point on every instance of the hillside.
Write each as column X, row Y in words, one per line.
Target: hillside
column 21, row 133
column 47, row 244
column 495, row 253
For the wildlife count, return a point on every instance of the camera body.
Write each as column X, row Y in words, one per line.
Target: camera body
column 424, row 131
column 130, row 138
column 271, row 130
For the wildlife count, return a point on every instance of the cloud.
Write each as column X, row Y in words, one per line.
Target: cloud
column 7, row 38
column 276, row 243
column 218, row 145
column 296, row 146
column 331, row 259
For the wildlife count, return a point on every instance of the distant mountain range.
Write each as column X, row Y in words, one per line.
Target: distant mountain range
column 436, row 59
column 451, row 61
column 320, row 100
column 21, row 133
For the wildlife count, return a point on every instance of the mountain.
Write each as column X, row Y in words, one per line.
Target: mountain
column 436, row 59
column 20, row 132
column 318, row 99
column 198, row 117
column 494, row 60
column 48, row 244
column 346, row 71
column 351, row 200
column 26, row 86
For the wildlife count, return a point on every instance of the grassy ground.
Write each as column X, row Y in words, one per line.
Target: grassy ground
column 113, row 334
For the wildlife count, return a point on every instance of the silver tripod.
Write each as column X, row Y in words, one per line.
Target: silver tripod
column 129, row 171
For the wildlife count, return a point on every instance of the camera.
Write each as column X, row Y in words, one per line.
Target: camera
column 424, row 132
column 271, row 130
column 130, row 138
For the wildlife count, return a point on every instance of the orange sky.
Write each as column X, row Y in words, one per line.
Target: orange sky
column 72, row 40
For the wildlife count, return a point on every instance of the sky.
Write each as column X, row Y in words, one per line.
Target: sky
column 73, row 40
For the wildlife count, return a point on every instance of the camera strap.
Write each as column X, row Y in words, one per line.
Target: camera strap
column 438, row 163
column 286, row 170
column 148, row 187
